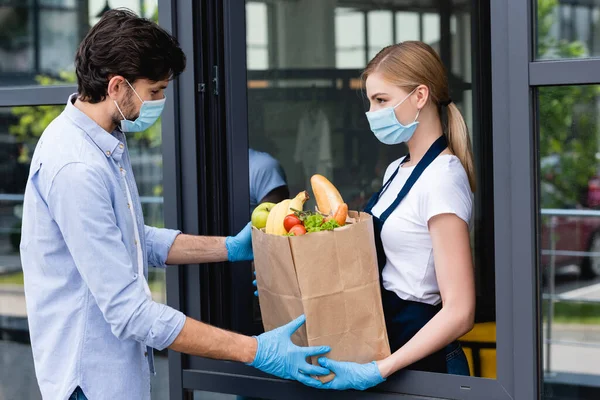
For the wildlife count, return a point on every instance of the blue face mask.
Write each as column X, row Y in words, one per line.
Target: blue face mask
column 149, row 113
column 387, row 128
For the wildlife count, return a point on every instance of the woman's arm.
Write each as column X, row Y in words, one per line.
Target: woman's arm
column 454, row 270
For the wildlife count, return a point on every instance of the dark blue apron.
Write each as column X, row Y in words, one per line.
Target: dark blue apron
column 405, row 318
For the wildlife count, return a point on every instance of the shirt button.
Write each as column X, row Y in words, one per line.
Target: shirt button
column 128, row 205
column 121, row 146
column 135, row 241
column 107, row 153
column 134, row 276
column 145, row 354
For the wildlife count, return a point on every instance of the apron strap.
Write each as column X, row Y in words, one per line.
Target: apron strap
column 435, row 150
column 375, row 197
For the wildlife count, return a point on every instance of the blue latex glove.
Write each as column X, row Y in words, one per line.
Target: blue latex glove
column 254, row 283
column 349, row 375
column 277, row 355
column 239, row 247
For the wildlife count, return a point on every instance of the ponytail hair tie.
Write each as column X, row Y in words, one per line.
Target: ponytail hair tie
column 446, row 103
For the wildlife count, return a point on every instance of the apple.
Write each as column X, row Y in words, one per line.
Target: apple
column 260, row 214
column 298, row 230
column 290, row 221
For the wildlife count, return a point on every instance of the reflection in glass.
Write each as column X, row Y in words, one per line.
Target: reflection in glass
column 306, row 105
column 381, row 30
column 407, row 26
column 38, row 39
column 350, row 43
column 257, row 36
column 567, row 29
column 569, row 236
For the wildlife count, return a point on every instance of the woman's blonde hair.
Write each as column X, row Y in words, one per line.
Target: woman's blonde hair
column 410, row 64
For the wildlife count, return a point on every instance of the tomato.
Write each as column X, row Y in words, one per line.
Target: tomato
column 298, row 230
column 290, row 221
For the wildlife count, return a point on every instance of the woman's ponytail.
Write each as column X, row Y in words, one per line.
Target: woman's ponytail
column 459, row 142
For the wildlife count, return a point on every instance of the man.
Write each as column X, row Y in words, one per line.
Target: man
column 85, row 248
column 267, row 179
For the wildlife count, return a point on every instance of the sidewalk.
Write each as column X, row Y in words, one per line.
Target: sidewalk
column 581, row 358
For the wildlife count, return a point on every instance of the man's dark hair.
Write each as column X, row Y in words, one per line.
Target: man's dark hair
column 122, row 43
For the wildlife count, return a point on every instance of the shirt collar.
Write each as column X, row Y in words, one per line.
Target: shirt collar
column 106, row 142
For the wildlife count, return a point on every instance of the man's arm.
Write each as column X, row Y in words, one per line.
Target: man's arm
column 189, row 249
column 199, row 339
column 272, row 352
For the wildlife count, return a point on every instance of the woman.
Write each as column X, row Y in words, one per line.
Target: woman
column 421, row 217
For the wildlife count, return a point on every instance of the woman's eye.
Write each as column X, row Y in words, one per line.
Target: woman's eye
column 380, row 100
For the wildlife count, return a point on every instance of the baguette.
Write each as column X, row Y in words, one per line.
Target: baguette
column 328, row 198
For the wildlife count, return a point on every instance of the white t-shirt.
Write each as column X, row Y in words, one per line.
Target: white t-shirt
column 442, row 188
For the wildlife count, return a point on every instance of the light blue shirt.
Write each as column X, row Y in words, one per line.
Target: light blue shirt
column 92, row 323
column 266, row 174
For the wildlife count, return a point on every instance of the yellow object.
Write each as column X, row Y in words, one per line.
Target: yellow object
column 276, row 217
column 282, row 210
column 480, row 343
column 297, row 202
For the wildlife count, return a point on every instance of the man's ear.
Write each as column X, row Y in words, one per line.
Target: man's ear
column 116, row 87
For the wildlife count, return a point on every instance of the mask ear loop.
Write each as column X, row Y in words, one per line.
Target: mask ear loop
column 404, row 99
column 138, row 96
column 119, row 108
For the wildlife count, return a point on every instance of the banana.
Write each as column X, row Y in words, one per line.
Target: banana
column 282, row 210
column 276, row 217
column 297, row 202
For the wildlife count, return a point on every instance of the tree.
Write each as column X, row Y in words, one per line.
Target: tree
column 568, row 128
column 33, row 120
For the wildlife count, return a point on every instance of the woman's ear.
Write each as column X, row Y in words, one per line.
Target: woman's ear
column 422, row 93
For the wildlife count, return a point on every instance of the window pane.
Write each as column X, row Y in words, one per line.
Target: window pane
column 38, row 39
column 257, row 36
column 350, row 46
column 19, row 131
column 407, row 26
column 431, row 29
column 380, row 31
column 569, row 237
column 315, row 123
column 567, row 29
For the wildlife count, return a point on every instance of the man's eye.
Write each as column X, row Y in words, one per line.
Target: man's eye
column 155, row 92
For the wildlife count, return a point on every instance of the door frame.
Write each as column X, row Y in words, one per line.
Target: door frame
column 514, row 210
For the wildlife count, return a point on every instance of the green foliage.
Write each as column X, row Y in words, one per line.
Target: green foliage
column 32, row 121
column 567, row 122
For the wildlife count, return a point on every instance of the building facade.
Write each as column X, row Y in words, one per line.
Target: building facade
column 283, row 77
